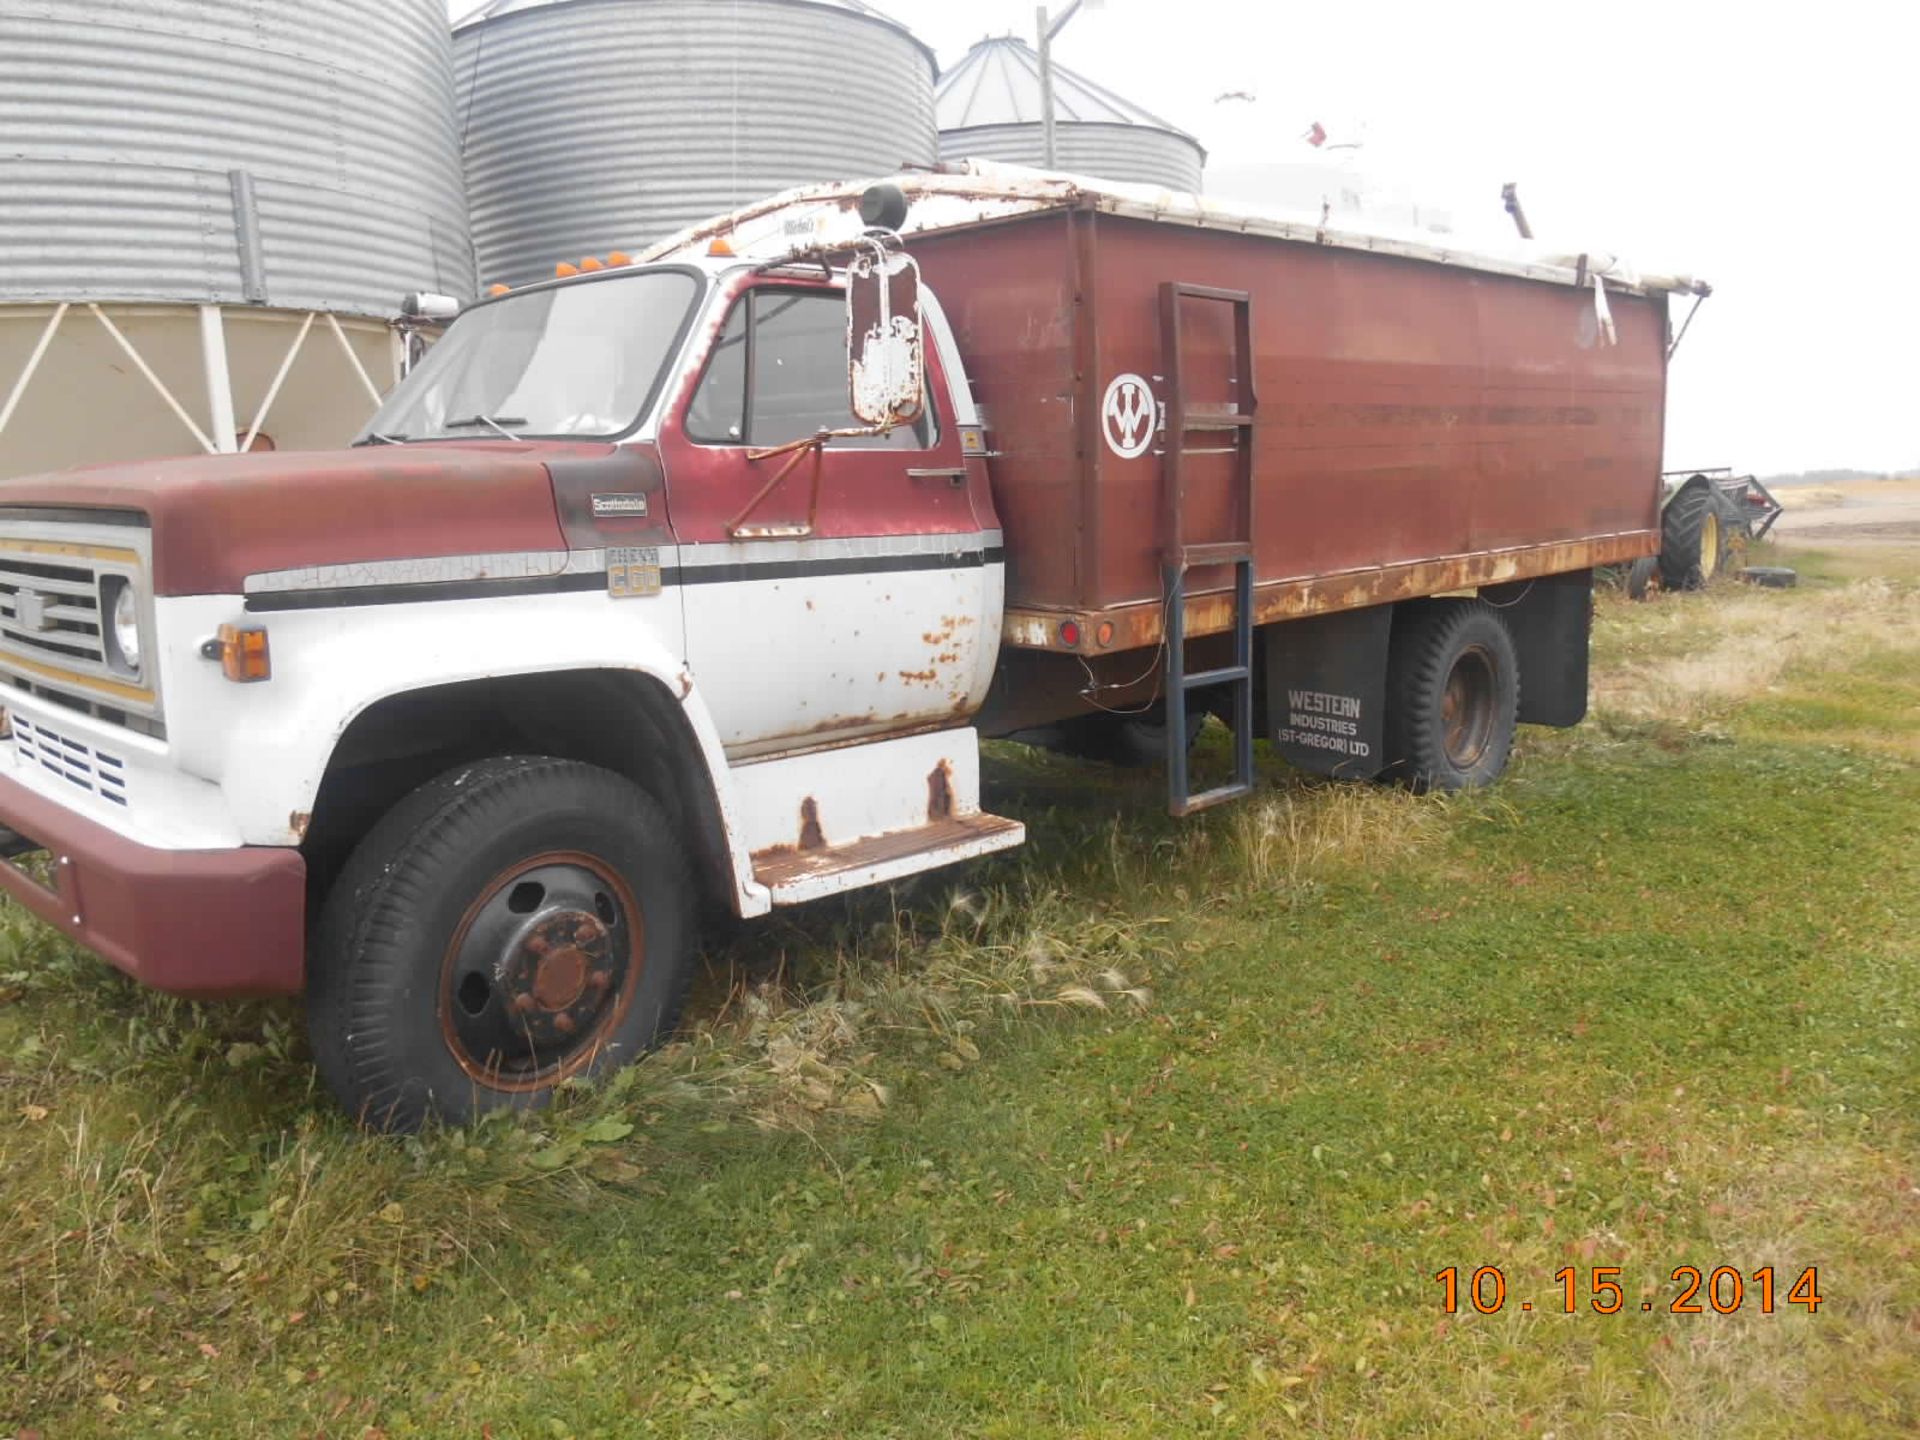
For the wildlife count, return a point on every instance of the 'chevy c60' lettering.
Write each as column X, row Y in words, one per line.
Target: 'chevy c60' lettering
column 633, row 571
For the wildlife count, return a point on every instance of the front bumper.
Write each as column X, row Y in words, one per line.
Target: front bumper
column 204, row 923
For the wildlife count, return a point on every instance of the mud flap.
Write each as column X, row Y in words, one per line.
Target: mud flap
column 1324, row 697
column 1549, row 618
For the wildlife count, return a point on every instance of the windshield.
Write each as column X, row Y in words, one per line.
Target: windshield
column 571, row 360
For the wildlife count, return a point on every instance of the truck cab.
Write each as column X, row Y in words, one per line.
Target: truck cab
column 617, row 560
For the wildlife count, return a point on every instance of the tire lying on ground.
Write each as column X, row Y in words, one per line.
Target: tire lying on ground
column 1453, row 696
column 1771, row 577
column 513, row 924
column 1692, row 536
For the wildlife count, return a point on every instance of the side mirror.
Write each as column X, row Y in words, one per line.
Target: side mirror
column 886, row 360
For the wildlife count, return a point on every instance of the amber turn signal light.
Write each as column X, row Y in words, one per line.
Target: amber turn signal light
column 243, row 653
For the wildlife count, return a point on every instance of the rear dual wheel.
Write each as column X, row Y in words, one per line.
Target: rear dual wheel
column 1453, row 696
column 510, row 926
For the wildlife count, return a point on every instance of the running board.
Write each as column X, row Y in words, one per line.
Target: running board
column 795, row 876
column 819, row 823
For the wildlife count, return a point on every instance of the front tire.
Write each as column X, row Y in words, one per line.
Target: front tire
column 512, row 925
column 1453, row 696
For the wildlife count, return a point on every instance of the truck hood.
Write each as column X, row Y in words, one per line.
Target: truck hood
column 217, row 519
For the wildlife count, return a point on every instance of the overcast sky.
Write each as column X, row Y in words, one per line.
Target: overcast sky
column 1768, row 149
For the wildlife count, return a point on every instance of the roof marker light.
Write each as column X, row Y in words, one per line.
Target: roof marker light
column 720, row 246
column 619, row 257
column 588, row 262
column 565, row 271
column 499, row 290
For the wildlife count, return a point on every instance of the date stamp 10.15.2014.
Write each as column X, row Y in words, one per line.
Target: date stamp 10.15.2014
column 1597, row 1290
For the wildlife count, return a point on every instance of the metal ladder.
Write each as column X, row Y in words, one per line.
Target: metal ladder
column 1178, row 555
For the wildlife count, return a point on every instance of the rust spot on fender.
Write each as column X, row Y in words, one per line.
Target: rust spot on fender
column 940, row 791
column 812, row 837
column 919, row 677
column 686, row 683
column 298, row 822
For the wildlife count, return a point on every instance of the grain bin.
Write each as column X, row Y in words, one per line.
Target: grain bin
column 989, row 108
column 593, row 125
column 208, row 210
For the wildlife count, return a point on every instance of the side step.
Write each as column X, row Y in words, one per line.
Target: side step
column 795, row 876
column 820, row 822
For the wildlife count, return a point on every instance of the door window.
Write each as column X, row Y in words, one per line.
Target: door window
column 793, row 345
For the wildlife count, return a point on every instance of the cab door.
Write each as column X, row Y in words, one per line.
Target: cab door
column 831, row 590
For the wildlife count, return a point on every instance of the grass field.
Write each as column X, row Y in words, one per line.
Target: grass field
column 1150, row 1128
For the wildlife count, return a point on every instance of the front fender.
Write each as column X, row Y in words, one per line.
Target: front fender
column 268, row 744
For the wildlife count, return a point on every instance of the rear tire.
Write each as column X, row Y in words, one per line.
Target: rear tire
column 1453, row 696
column 512, row 925
column 1692, row 537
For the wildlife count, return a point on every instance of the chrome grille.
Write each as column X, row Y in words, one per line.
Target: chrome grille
column 55, row 642
column 50, row 609
column 75, row 761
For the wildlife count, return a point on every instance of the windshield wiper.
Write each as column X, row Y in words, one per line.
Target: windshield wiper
column 497, row 423
column 374, row 437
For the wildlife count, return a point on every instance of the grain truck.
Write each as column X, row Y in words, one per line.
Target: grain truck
column 694, row 580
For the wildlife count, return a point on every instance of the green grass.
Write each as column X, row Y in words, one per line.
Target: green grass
column 1147, row 1129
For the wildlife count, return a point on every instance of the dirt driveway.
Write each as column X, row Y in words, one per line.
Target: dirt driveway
column 1868, row 513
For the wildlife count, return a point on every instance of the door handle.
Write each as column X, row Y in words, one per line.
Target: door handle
column 956, row 477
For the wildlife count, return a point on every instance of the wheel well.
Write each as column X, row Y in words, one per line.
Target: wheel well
column 617, row 719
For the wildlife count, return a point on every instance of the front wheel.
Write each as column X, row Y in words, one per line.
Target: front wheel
column 1453, row 696
column 512, row 925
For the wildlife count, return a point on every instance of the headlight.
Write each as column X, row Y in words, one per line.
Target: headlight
column 123, row 624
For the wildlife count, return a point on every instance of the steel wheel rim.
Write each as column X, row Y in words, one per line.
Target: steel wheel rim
column 1467, row 707
column 541, row 971
column 1709, row 546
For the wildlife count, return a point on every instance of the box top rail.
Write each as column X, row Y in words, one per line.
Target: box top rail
column 971, row 192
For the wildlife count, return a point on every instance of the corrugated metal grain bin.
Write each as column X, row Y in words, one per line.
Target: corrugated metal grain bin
column 208, row 211
column 989, row 108
column 270, row 152
column 592, row 125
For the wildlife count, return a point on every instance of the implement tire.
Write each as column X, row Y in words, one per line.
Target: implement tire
column 1643, row 577
column 1692, row 537
column 512, row 925
column 1453, row 696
